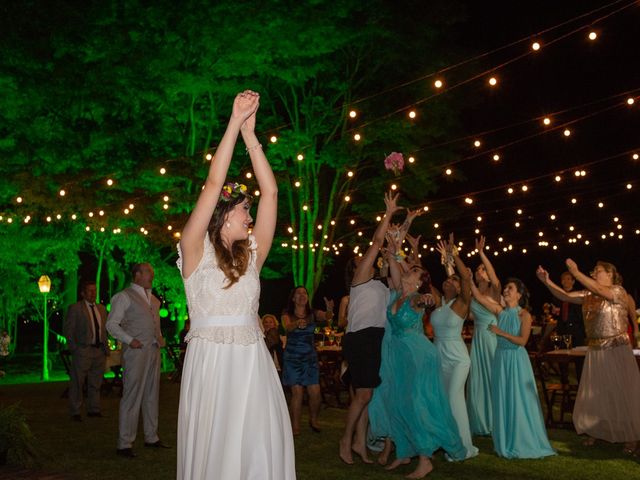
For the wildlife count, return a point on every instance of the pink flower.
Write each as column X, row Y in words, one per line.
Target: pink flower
column 395, row 162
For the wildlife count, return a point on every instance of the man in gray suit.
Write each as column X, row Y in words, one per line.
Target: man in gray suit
column 135, row 321
column 86, row 336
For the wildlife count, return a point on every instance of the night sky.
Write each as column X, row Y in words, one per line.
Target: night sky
column 587, row 83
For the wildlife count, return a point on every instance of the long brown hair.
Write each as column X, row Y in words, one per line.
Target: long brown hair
column 233, row 263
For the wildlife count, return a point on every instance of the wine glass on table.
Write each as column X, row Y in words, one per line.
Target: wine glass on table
column 556, row 340
column 566, row 338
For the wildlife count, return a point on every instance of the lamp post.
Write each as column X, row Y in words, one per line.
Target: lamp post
column 44, row 284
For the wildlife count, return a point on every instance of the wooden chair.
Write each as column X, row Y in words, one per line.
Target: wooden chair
column 556, row 390
column 330, row 382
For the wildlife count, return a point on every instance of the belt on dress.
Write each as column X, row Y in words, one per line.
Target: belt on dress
column 609, row 342
column 248, row 320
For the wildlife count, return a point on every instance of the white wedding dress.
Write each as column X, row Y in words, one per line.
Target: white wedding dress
column 233, row 422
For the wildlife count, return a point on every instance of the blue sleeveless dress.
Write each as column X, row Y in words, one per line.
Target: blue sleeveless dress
column 483, row 349
column 518, row 426
column 410, row 406
column 454, row 366
column 299, row 359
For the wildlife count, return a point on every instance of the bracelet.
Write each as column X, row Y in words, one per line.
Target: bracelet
column 248, row 149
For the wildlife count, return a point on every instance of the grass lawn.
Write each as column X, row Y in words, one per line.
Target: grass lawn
column 87, row 450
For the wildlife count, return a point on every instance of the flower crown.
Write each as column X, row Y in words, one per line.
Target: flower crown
column 233, row 190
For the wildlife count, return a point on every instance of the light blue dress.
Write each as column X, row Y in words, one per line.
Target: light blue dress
column 483, row 349
column 518, row 427
column 454, row 365
column 410, row 406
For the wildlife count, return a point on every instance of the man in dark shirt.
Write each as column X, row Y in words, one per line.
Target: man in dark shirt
column 570, row 314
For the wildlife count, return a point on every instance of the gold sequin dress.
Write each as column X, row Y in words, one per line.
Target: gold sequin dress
column 608, row 401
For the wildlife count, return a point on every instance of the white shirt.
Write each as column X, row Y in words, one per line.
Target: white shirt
column 367, row 305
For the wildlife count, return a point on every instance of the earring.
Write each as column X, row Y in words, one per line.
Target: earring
column 228, row 224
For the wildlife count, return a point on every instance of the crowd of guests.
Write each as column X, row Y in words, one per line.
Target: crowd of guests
column 409, row 394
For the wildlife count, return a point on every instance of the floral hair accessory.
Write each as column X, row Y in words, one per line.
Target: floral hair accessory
column 233, row 190
column 394, row 161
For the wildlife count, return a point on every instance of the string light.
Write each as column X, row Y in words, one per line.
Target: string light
column 273, row 139
column 163, row 171
column 477, row 143
column 208, row 156
column 592, row 35
column 357, row 137
column 438, row 83
column 248, row 175
column 448, row 171
column 546, row 121
column 566, row 132
column 350, row 174
column 110, row 181
column 411, row 159
column 165, row 198
column 300, row 157
column 630, row 101
column 347, row 198
column 558, row 178
column 412, row 114
column 535, row 46
column 19, row 200
column 509, row 190
column 493, row 81
column 496, row 157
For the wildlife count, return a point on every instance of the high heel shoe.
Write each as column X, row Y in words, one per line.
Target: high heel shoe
column 314, row 429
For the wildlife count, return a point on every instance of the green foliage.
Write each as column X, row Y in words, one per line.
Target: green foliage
column 97, row 90
column 17, row 442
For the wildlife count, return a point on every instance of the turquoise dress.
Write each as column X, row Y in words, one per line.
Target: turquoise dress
column 454, row 366
column 483, row 349
column 410, row 406
column 518, row 427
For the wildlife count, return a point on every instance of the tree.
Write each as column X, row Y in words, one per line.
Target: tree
column 99, row 91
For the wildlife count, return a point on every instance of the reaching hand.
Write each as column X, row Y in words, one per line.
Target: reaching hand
column 411, row 214
column 329, row 304
column 480, row 244
column 442, row 248
column 542, row 275
column 245, row 105
column 392, row 241
column 571, row 266
column 391, row 201
column 414, row 242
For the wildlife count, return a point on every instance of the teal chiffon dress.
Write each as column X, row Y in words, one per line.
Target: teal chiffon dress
column 518, row 426
column 410, row 406
column 454, row 366
column 483, row 350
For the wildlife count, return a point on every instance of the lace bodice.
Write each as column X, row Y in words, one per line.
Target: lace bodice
column 207, row 298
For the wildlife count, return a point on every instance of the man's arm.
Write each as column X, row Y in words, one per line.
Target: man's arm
column 69, row 327
column 119, row 304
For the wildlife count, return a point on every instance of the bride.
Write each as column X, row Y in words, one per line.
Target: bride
column 233, row 420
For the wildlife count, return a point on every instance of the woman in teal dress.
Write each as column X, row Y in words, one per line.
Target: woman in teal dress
column 410, row 407
column 447, row 321
column 518, row 427
column 483, row 347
